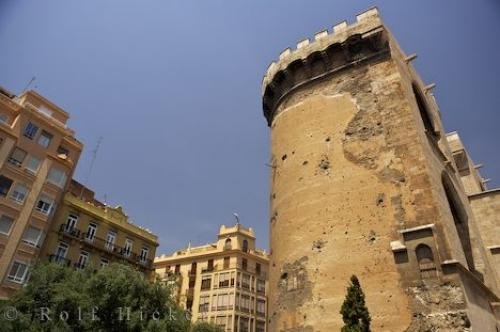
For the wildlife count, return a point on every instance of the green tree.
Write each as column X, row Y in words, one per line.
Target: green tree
column 205, row 327
column 354, row 311
column 115, row 298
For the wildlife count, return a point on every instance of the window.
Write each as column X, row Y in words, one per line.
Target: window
column 144, row 254
column 245, row 246
column 32, row 236
column 18, row 272
column 257, row 268
column 261, row 307
column 261, row 286
column 33, row 164
column 30, row 130
column 206, row 283
column 19, row 193
column 244, row 264
column 45, row 204
column 57, row 177
column 5, row 184
column 17, row 157
column 127, row 250
column 89, row 236
column 245, row 281
column 224, row 280
column 177, row 269
column 424, row 112
column 104, row 262
column 44, row 139
column 5, row 224
column 223, row 302
column 61, row 251
column 204, row 303
column 210, row 265
column 110, row 240
column 425, row 259
column 260, row 326
column 227, row 244
column 71, row 221
column 226, row 263
column 82, row 260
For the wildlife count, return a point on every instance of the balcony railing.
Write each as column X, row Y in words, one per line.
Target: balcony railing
column 59, row 260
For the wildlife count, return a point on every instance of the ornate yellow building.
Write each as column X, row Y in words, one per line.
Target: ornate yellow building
column 224, row 282
column 38, row 153
column 88, row 232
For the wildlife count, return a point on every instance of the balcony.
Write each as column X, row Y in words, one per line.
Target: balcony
column 59, row 260
column 69, row 231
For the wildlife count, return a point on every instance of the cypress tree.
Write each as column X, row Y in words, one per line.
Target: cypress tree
column 354, row 311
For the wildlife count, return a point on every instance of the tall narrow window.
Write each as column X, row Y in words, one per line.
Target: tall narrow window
column 424, row 112
column 82, row 260
column 127, row 249
column 71, row 221
column 226, row 262
column 110, row 240
column 91, row 230
column 227, row 244
column 61, row 251
column 144, row 255
column 245, row 246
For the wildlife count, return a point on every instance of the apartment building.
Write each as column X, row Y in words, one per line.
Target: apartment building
column 224, row 282
column 86, row 232
column 38, row 153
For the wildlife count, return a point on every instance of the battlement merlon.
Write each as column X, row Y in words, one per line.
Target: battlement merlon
column 329, row 52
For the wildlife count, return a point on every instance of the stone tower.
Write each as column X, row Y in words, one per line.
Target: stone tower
column 363, row 182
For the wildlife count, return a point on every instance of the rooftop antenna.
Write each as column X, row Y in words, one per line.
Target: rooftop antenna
column 29, row 83
column 92, row 161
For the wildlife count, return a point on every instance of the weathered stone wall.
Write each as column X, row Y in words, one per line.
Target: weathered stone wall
column 354, row 170
column 486, row 208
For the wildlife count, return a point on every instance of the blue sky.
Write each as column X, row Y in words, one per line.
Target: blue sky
column 173, row 87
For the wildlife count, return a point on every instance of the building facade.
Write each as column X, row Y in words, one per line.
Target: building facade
column 38, row 153
column 485, row 202
column 363, row 182
column 224, row 282
column 86, row 232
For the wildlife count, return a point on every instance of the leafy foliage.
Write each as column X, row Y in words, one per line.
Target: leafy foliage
column 114, row 298
column 354, row 311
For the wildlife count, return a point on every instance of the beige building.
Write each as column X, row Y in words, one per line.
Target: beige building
column 485, row 203
column 224, row 282
column 38, row 153
column 363, row 181
column 86, row 232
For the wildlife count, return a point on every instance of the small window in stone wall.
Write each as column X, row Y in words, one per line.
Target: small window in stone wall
column 426, row 263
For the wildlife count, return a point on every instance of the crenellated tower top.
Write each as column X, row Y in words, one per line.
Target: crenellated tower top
column 330, row 51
